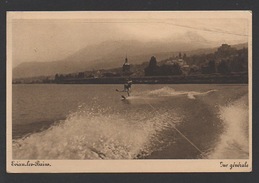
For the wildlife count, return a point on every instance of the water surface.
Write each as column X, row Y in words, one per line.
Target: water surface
column 155, row 122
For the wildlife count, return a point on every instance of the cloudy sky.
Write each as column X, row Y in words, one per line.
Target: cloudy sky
column 41, row 38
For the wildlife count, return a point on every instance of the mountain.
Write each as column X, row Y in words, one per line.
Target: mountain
column 111, row 54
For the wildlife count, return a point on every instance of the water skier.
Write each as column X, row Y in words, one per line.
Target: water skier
column 127, row 87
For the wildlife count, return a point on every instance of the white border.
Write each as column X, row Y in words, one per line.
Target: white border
column 66, row 166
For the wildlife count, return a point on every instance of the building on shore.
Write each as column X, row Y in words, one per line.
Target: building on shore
column 181, row 62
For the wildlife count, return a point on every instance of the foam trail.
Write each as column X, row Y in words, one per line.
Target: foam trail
column 167, row 91
column 233, row 142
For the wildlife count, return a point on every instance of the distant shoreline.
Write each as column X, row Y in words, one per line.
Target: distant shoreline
column 233, row 78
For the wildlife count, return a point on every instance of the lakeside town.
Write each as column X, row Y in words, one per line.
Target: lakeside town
column 226, row 65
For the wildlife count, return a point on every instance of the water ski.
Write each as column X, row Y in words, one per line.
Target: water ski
column 122, row 96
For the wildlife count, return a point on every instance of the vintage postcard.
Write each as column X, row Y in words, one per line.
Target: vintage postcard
column 129, row 91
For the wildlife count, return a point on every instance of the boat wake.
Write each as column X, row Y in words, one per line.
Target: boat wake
column 233, row 142
column 170, row 92
column 97, row 133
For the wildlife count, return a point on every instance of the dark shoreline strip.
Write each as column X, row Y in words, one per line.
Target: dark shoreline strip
column 204, row 79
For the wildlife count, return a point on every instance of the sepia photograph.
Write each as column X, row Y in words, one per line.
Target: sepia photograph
column 129, row 91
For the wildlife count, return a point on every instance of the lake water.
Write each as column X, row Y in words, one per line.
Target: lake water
column 155, row 122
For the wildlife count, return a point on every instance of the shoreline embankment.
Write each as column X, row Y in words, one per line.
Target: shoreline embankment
column 190, row 79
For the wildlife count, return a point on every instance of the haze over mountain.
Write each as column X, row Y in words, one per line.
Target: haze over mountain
column 46, row 43
column 111, row 54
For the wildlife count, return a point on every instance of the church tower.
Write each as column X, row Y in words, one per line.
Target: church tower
column 126, row 66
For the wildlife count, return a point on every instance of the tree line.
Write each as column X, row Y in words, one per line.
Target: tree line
column 224, row 61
